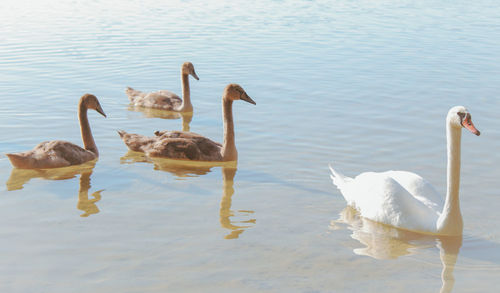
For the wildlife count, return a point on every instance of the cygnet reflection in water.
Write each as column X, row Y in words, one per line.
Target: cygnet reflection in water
column 226, row 213
column 182, row 169
column 386, row 242
column 19, row 177
column 85, row 203
column 178, row 168
column 186, row 117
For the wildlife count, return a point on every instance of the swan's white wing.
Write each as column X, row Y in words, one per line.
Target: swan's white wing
column 381, row 198
column 420, row 188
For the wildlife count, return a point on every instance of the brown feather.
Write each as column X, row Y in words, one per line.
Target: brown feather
column 51, row 154
column 192, row 146
column 58, row 153
column 175, row 145
column 164, row 100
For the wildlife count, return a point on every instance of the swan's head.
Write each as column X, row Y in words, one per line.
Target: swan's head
column 91, row 102
column 188, row 68
column 459, row 117
column 235, row 92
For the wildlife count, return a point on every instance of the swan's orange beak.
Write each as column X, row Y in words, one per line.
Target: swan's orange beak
column 467, row 123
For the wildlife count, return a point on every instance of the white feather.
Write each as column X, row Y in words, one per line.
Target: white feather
column 406, row 200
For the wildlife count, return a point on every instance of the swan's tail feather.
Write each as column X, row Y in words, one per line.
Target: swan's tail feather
column 18, row 160
column 137, row 142
column 133, row 94
column 338, row 178
column 122, row 133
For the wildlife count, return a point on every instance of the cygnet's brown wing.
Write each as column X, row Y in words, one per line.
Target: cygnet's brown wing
column 65, row 151
column 165, row 100
column 186, row 146
column 52, row 154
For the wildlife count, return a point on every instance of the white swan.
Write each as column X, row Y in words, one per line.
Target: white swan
column 404, row 199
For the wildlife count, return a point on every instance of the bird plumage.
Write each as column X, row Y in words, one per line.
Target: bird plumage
column 59, row 153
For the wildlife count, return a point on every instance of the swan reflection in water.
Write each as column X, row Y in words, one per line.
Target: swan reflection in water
column 225, row 212
column 163, row 114
column 182, row 168
column 19, row 177
column 386, row 242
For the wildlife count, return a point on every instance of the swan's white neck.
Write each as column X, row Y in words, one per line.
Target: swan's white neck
column 186, row 105
column 450, row 221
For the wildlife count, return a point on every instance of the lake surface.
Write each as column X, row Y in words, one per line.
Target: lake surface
column 364, row 85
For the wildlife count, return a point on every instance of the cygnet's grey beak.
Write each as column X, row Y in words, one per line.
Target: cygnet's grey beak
column 100, row 111
column 246, row 98
column 195, row 76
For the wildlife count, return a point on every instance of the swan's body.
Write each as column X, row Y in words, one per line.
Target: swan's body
column 163, row 99
column 397, row 198
column 406, row 200
column 58, row 153
column 174, row 145
column 192, row 146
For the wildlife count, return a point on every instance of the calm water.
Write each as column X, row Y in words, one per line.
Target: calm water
column 363, row 84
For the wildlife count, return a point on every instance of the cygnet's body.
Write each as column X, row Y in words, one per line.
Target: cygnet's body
column 192, row 146
column 58, row 153
column 163, row 99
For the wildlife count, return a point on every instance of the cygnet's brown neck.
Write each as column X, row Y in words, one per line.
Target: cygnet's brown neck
column 88, row 140
column 186, row 95
column 229, row 152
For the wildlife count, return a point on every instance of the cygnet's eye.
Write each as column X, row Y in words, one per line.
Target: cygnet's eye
column 239, row 91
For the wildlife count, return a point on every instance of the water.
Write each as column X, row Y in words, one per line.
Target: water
column 363, row 84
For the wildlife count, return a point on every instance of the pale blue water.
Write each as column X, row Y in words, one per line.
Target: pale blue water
column 363, row 84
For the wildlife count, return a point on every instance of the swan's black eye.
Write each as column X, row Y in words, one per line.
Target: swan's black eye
column 240, row 91
column 462, row 116
column 465, row 117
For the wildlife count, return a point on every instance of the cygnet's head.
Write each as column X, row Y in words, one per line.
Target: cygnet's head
column 235, row 92
column 459, row 116
column 91, row 102
column 188, row 68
